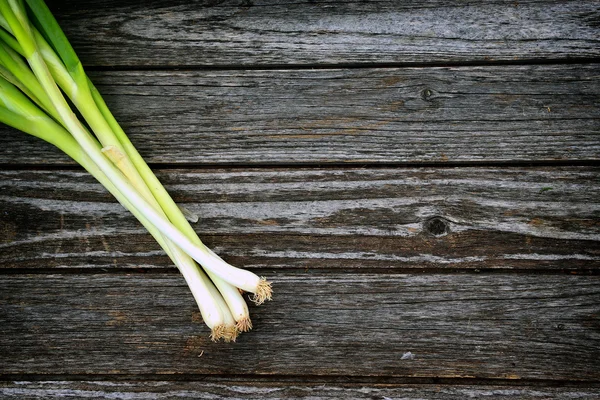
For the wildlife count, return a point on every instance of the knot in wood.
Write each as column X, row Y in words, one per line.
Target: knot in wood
column 426, row 94
column 437, row 226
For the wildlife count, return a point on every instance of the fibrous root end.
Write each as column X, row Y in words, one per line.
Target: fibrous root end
column 244, row 324
column 263, row 293
column 230, row 334
column 217, row 332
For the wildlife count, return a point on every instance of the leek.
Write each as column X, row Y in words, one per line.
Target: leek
column 38, row 68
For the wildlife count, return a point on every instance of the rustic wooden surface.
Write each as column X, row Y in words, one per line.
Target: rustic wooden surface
column 509, row 326
column 366, row 115
column 419, row 218
column 163, row 390
column 269, row 32
column 418, row 179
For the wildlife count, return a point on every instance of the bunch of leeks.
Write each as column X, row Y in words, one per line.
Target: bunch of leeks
column 38, row 68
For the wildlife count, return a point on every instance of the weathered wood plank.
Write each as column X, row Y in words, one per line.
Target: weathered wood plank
column 163, row 390
column 486, row 326
column 466, row 218
column 131, row 33
column 483, row 114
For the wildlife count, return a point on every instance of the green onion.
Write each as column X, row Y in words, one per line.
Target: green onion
column 37, row 69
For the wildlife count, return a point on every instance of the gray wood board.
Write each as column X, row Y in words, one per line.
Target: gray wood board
column 165, row 390
column 509, row 326
column 406, row 115
column 200, row 33
column 449, row 218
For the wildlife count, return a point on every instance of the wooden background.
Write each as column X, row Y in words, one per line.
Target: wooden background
column 419, row 180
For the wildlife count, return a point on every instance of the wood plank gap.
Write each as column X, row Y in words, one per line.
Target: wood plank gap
column 593, row 271
column 345, row 380
column 383, row 165
column 333, row 165
column 325, row 66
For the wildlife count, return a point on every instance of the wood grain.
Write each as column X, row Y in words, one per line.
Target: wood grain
column 163, row 390
column 412, row 115
column 506, row 326
column 240, row 33
column 407, row 279
column 433, row 218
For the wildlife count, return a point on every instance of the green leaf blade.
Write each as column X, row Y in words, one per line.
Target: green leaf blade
column 50, row 28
